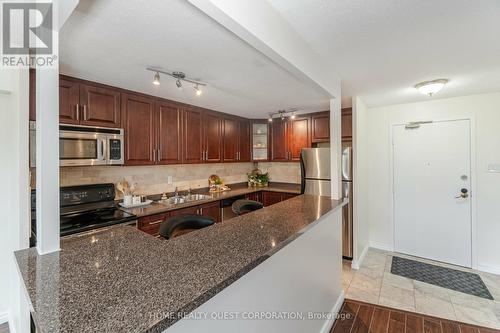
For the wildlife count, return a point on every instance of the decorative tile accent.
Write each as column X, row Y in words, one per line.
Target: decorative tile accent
column 465, row 282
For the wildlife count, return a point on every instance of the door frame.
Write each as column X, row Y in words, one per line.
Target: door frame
column 473, row 179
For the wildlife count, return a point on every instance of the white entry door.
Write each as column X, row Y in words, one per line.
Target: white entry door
column 432, row 206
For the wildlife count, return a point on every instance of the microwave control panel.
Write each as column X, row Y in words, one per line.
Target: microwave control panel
column 115, row 152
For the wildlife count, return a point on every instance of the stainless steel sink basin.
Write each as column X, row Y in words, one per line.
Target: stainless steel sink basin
column 183, row 199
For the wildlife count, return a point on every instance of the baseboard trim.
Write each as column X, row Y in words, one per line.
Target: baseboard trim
column 382, row 246
column 4, row 317
column 356, row 263
column 336, row 309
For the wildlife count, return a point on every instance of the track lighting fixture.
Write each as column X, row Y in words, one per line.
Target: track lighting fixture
column 179, row 77
column 282, row 114
column 156, row 79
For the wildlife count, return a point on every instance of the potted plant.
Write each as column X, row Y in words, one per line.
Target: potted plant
column 257, row 178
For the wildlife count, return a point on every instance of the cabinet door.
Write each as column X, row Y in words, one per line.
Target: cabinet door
column 32, row 94
column 257, row 196
column 151, row 224
column 212, row 133
column 139, row 115
column 244, row 151
column 298, row 137
column 193, row 135
column 271, row 198
column 230, row 140
column 279, row 145
column 169, row 126
column 101, row 106
column 212, row 210
column 320, row 124
column 68, row 102
column 346, row 124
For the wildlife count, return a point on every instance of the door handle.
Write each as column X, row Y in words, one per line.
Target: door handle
column 77, row 108
column 464, row 193
column 154, row 155
column 85, row 112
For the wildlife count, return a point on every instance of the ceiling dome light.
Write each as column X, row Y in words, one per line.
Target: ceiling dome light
column 178, row 83
column 156, row 79
column 431, row 87
column 197, row 90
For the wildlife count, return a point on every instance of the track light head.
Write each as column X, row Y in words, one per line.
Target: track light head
column 293, row 116
column 197, row 90
column 270, row 119
column 178, row 83
column 156, row 79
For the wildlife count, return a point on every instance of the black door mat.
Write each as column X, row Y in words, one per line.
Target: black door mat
column 465, row 282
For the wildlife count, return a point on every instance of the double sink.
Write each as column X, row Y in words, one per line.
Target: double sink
column 181, row 199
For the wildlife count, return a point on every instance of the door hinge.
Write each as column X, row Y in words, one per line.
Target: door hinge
column 416, row 124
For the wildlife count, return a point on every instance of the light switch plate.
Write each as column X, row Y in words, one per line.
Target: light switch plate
column 494, row 167
column 169, row 180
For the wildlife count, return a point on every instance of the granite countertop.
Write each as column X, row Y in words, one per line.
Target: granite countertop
column 123, row 280
column 236, row 190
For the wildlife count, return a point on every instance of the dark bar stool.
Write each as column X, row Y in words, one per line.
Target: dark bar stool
column 183, row 224
column 243, row 206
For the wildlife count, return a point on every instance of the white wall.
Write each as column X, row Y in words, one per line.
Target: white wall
column 484, row 110
column 14, row 196
column 360, row 176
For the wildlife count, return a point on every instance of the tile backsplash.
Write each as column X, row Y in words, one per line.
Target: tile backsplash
column 154, row 179
column 282, row 172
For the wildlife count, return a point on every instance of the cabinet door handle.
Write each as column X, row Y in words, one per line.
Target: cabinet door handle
column 85, row 112
column 159, row 155
column 154, row 155
column 77, row 110
column 206, row 155
column 202, row 155
column 201, row 211
column 155, row 222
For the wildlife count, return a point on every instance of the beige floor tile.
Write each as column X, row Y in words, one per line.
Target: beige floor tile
column 390, row 294
column 434, row 306
column 398, row 281
column 426, row 289
column 364, row 295
column 479, row 316
column 366, row 282
column 395, row 304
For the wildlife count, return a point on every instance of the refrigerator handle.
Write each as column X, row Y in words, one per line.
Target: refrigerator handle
column 303, row 175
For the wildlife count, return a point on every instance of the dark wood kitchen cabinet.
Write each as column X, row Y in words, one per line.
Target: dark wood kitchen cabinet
column 236, row 140
column 100, row 106
column 212, row 137
column 320, row 127
column 151, row 224
column 270, row 198
column 244, row 149
column 230, row 142
column 139, row 125
column 211, row 209
column 288, row 137
column 69, row 102
column 256, row 196
column 192, row 135
column 346, row 122
column 168, row 121
column 279, row 140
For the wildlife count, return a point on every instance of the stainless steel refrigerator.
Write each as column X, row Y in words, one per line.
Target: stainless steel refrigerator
column 316, row 179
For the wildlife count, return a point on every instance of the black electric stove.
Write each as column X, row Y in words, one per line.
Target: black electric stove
column 86, row 208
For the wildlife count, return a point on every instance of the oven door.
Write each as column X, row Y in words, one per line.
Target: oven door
column 80, row 148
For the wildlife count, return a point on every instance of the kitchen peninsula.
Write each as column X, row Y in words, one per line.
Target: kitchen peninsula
column 125, row 280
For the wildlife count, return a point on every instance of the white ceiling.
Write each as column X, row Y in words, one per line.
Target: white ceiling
column 112, row 43
column 382, row 48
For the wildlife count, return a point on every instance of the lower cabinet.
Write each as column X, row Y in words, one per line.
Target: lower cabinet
column 271, row 198
column 257, row 196
column 151, row 224
column 212, row 210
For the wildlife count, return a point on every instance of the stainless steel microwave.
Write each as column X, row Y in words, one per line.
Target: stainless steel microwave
column 84, row 145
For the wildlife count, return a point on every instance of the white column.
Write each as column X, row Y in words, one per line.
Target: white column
column 47, row 160
column 336, row 147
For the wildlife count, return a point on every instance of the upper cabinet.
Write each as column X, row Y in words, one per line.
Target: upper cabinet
column 100, row 106
column 140, row 131
column 347, row 124
column 288, row 137
column 89, row 104
column 192, row 135
column 320, row 126
column 212, row 137
column 260, row 140
column 244, row 138
column 169, row 126
column 236, row 140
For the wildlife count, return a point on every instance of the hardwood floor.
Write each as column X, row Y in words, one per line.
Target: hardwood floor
column 358, row 317
column 4, row 328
